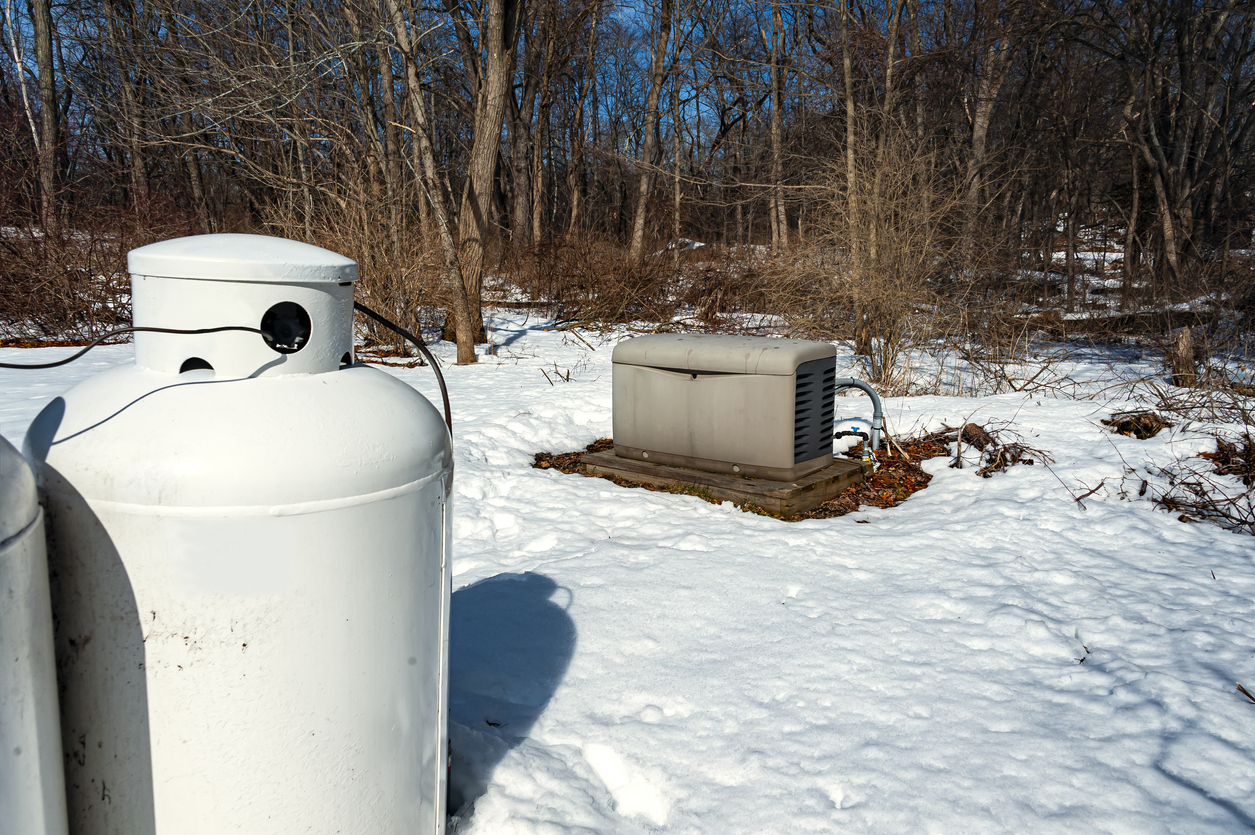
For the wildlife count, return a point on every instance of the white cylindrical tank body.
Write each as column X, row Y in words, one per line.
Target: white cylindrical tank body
column 32, row 786
column 250, row 562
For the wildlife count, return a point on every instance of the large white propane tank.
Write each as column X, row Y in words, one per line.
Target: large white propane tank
column 32, row 787
column 250, row 557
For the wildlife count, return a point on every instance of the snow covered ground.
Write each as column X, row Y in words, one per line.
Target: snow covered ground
column 988, row 657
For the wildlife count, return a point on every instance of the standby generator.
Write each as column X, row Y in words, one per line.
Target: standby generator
column 750, row 406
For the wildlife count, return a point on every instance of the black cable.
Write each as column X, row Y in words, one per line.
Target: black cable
column 117, row 331
column 418, row 342
column 422, row 349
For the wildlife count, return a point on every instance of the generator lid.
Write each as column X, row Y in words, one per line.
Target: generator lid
column 241, row 258
column 19, row 503
column 721, row 354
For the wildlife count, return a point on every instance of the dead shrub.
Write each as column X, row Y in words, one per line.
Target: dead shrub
column 1235, row 458
column 1000, row 446
column 1219, row 486
column 400, row 271
column 1206, row 494
column 581, row 279
column 75, row 286
column 728, row 283
column 903, row 264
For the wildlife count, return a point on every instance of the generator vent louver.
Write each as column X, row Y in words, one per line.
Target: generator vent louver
column 814, row 403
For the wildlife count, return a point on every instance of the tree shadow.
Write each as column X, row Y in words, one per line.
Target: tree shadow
column 510, row 642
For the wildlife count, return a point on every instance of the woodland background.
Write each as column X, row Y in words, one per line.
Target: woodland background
column 884, row 171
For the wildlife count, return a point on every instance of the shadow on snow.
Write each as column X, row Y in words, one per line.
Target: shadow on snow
column 510, row 641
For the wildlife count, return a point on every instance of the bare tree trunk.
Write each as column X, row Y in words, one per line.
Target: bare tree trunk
column 392, row 151
column 575, row 171
column 742, row 237
column 49, row 140
column 429, row 180
column 541, row 141
column 886, row 126
column 522, row 133
column 916, row 50
column 675, row 158
column 475, row 221
column 188, row 139
column 1048, row 246
column 130, row 109
column 297, row 128
column 1167, row 222
column 995, row 62
column 522, row 152
column 1069, row 303
column 1129, row 268
column 540, row 132
column 657, row 76
column 862, row 332
column 779, row 222
column 192, row 163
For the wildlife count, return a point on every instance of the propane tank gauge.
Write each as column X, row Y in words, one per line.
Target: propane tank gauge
column 285, row 327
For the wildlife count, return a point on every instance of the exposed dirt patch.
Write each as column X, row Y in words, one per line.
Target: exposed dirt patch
column 1138, row 424
column 894, row 481
column 569, row 462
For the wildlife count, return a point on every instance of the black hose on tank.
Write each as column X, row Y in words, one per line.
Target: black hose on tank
column 418, row 342
column 133, row 329
column 422, row 349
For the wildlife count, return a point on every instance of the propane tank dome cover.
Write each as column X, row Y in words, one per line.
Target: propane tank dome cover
column 721, row 354
column 231, row 257
column 18, row 499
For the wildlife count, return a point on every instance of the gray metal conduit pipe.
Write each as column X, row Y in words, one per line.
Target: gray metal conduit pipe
column 878, row 413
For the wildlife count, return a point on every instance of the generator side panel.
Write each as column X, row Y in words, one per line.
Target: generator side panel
column 739, row 419
column 814, row 405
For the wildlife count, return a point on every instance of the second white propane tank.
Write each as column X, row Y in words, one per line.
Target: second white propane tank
column 32, row 789
column 249, row 545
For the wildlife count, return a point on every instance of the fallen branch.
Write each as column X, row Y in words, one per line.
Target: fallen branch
column 997, row 454
column 1089, row 493
column 571, row 330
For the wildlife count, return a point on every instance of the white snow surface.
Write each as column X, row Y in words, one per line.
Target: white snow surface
column 626, row 661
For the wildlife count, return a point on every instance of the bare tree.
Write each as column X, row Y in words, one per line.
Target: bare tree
column 658, row 72
column 49, row 138
column 490, row 64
